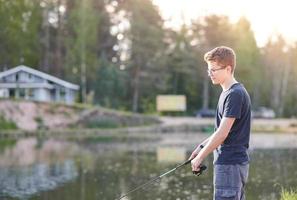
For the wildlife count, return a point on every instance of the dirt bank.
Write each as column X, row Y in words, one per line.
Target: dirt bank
column 29, row 115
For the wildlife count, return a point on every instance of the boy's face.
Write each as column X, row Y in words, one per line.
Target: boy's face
column 217, row 72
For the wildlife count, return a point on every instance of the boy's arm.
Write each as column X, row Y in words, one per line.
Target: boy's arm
column 198, row 148
column 215, row 140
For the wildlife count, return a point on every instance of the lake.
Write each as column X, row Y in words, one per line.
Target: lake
column 38, row 168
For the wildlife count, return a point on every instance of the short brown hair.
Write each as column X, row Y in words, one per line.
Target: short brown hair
column 222, row 55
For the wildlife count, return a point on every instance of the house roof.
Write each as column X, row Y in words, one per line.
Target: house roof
column 40, row 74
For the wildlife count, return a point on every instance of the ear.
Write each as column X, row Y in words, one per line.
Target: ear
column 229, row 68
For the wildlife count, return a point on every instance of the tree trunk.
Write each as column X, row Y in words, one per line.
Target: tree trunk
column 46, row 41
column 58, row 57
column 284, row 89
column 136, row 90
column 205, row 97
column 276, row 91
column 83, row 67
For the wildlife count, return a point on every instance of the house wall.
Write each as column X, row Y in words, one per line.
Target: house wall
column 29, row 78
column 62, row 94
column 70, row 96
column 42, row 94
column 23, row 77
column 58, row 94
column 9, row 79
column 4, row 93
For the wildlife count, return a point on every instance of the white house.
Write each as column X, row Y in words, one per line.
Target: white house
column 25, row 82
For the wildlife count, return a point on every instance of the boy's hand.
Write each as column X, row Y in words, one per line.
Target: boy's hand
column 196, row 163
column 194, row 154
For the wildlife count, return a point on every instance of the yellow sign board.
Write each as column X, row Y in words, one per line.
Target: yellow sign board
column 171, row 154
column 171, row 103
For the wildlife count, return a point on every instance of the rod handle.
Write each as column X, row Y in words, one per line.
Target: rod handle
column 202, row 168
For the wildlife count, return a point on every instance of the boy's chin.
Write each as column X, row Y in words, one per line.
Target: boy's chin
column 215, row 82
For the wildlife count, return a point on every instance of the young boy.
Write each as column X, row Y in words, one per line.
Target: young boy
column 230, row 141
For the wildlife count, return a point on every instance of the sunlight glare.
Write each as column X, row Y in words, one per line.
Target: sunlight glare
column 267, row 17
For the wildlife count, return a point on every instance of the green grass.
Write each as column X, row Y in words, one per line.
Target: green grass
column 7, row 125
column 114, row 138
column 102, row 123
column 6, row 143
column 39, row 121
column 289, row 194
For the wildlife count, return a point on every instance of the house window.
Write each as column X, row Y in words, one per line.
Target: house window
column 22, row 92
column 11, row 93
column 30, row 93
column 62, row 93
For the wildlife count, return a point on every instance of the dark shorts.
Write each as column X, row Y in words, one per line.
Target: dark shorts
column 229, row 181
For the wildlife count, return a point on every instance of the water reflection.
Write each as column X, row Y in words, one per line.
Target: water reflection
column 171, row 154
column 30, row 167
column 38, row 169
column 270, row 169
column 31, row 150
column 26, row 181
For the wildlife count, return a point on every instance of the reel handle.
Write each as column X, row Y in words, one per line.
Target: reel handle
column 202, row 168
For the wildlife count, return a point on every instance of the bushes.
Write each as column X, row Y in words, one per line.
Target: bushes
column 102, row 123
column 7, row 125
column 6, row 143
column 289, row 194
column 104, row 118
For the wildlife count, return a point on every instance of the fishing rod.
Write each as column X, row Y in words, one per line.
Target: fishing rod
column 197, row 173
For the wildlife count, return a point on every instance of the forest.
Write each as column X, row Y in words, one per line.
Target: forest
column 123, row 56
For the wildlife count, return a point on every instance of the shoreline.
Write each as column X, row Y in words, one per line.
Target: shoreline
column 173, row 131
column 148, row 140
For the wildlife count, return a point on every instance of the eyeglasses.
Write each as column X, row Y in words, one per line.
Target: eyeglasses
column 212, row 71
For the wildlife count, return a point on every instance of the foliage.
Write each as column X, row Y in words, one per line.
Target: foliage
column 110, row 90
column 145, row 52
column 6, row 124
column 288, row 195
column 182, row 71
column 122, row 56
column 40, row 122
column 4, row 143
column 248, row 59
column 19, row 42
column 102, row 123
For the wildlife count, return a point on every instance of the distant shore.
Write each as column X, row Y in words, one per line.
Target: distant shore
column 168, row 125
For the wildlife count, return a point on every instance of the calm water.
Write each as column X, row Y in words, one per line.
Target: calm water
column 38, row 169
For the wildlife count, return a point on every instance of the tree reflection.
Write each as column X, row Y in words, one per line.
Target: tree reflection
column 52, row 169
column 26, row 170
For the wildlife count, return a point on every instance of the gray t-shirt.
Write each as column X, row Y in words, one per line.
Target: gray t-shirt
column 234, row 103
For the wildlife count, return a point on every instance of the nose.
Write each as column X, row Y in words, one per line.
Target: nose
column 211, row 76
column 209, row 72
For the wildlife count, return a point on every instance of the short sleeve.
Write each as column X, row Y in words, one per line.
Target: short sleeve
column 233, row 105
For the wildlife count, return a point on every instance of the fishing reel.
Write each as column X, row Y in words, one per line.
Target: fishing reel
column 201, row 169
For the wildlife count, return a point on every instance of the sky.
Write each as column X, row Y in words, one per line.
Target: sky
column 267, row 17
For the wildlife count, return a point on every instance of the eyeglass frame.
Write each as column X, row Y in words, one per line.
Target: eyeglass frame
column 212, row 71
